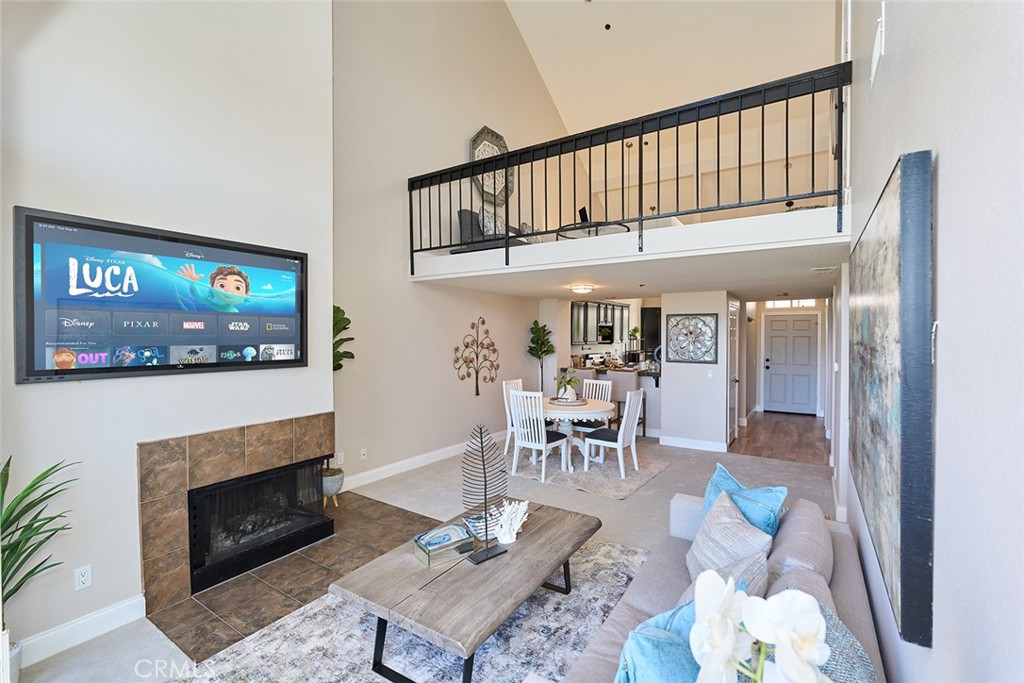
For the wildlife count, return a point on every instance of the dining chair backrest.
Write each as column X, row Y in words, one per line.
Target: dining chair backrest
column 630, row 416
column 528, row 418
column 600, row 389
column 507, row 386
column 623, row 382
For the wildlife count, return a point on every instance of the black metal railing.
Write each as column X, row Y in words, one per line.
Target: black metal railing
column 778, row 143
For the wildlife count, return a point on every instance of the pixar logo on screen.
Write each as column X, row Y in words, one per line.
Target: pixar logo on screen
column 100, row 281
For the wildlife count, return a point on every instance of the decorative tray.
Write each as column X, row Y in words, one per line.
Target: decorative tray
column 566, row 402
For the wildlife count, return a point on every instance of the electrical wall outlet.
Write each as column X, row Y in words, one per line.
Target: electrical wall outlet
column 83, row 577
column 362, row 453
column 341, row 457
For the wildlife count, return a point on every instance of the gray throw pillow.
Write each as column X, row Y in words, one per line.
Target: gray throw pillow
column 803, row 540
column 848, row 661
column 724, row 536
column 806, row 580
column 751, row 571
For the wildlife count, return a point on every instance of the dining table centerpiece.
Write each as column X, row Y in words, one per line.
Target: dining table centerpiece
column 566, row 384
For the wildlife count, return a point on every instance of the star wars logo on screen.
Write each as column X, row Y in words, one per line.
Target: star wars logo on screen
column 273, row 352
column 101, row 280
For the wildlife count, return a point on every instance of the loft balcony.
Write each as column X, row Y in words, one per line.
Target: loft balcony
column 754, row 169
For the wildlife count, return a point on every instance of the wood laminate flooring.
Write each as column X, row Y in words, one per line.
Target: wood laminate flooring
column 784, row 436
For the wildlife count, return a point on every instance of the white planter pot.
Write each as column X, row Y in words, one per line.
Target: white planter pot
column 333, row 484
column 15, row 662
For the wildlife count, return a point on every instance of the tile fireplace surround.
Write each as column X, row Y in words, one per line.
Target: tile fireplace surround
column 170, row 468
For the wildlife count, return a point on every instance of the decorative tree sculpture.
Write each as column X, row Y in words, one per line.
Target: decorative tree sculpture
column 540, row 346
column 477, row 357
column 484, row 485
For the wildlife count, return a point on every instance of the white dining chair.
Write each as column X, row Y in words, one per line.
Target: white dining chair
column 619, row 438
column 507, row 386
column 601, row 390
column 528, row 419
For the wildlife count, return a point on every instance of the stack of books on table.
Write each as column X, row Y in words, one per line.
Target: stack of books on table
column 443, row 546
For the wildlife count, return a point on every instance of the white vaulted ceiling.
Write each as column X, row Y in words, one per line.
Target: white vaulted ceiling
column 660, row 54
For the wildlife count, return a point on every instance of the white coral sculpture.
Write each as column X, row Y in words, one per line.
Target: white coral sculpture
column 510, row 519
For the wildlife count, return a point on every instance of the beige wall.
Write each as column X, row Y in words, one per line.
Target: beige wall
column 213, row 119
column 950, row 81
column 413, row 83
column 694, row 405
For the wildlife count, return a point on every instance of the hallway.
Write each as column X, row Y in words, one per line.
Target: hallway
column 784, row 436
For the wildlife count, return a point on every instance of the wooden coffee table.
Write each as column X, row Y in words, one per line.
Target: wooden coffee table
column 459, row 606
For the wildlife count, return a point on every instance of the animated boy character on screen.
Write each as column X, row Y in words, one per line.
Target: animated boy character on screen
column 229, row 286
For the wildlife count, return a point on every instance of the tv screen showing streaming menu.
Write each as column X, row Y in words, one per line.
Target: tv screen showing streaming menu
column 95, row 299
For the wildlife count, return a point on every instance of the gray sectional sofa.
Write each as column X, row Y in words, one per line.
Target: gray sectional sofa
column 663, row 578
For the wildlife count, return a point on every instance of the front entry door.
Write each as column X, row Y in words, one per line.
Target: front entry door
column 791, row 364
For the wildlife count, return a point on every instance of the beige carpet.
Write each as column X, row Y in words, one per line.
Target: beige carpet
column 602, row 479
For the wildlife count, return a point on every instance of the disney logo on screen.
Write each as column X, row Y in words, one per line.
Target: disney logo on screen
column 75, row 322
column 194, row 254
column 99, row 281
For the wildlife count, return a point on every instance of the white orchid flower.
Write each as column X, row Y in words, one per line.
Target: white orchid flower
column 716, row 640
column 792, row 622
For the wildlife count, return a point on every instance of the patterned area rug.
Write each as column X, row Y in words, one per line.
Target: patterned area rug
column 332, row 640
column 602, row 478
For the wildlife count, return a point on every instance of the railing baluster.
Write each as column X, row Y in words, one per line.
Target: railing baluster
column 640, row 188
column 606, row 177
column 718, row 155
column 739, row 152
column 677, row 161
column 787, row 141
column 622, row 175
column 657, row 160
column 696, row 161
column 839, row 159
column 812, row 140
column 451, row 215
column 763, row 98
column 412, row 239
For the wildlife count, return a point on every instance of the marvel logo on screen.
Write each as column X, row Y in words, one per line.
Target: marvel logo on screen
column 193, row 324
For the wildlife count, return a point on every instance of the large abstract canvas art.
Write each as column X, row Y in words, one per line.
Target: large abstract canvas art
column 891, row 385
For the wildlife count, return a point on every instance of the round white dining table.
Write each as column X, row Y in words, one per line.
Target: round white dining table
column 593, row 409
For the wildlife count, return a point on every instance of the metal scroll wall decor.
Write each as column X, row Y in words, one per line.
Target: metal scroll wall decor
column 692, row 338
column 495, row 186
column 477, row 356
column 484, row 485
column 892, row 388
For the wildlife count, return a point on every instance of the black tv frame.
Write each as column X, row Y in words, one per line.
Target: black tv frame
column 24, row 320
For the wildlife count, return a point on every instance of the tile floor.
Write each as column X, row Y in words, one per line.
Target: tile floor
column 212, row 620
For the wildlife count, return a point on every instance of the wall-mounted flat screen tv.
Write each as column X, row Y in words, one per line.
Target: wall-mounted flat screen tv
column 99, row 299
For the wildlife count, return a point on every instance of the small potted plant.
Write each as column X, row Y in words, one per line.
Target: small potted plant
column 333, row 480
column 566, row 384
column 24, row 529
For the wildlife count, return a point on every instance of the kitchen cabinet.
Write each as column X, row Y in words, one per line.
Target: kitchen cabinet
column 599, row 322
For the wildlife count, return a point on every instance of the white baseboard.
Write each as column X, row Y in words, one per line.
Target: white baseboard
column 77, row 631
column 696, row 444
column 828, row 434
column 385, row 471
column 758, row 409
column 742, row 422
column 651, row 432
column 750, row 415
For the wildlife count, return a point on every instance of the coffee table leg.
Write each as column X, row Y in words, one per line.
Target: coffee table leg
column 382, row 669
column 568, row 584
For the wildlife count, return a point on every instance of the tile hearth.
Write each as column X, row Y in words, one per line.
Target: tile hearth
column 210, row 621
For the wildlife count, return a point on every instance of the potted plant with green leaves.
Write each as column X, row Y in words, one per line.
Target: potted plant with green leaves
column 566, row 384
column 341, row 323
column 334, row 477
column 25, row 527
column 540, row 346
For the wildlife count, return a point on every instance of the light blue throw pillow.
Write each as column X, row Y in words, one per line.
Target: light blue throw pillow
column 761, row 506
column 658, row 650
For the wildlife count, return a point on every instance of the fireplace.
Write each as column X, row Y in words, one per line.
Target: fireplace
column 242, row 523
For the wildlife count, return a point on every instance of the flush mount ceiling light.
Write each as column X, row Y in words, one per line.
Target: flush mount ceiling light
column 581, row 289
